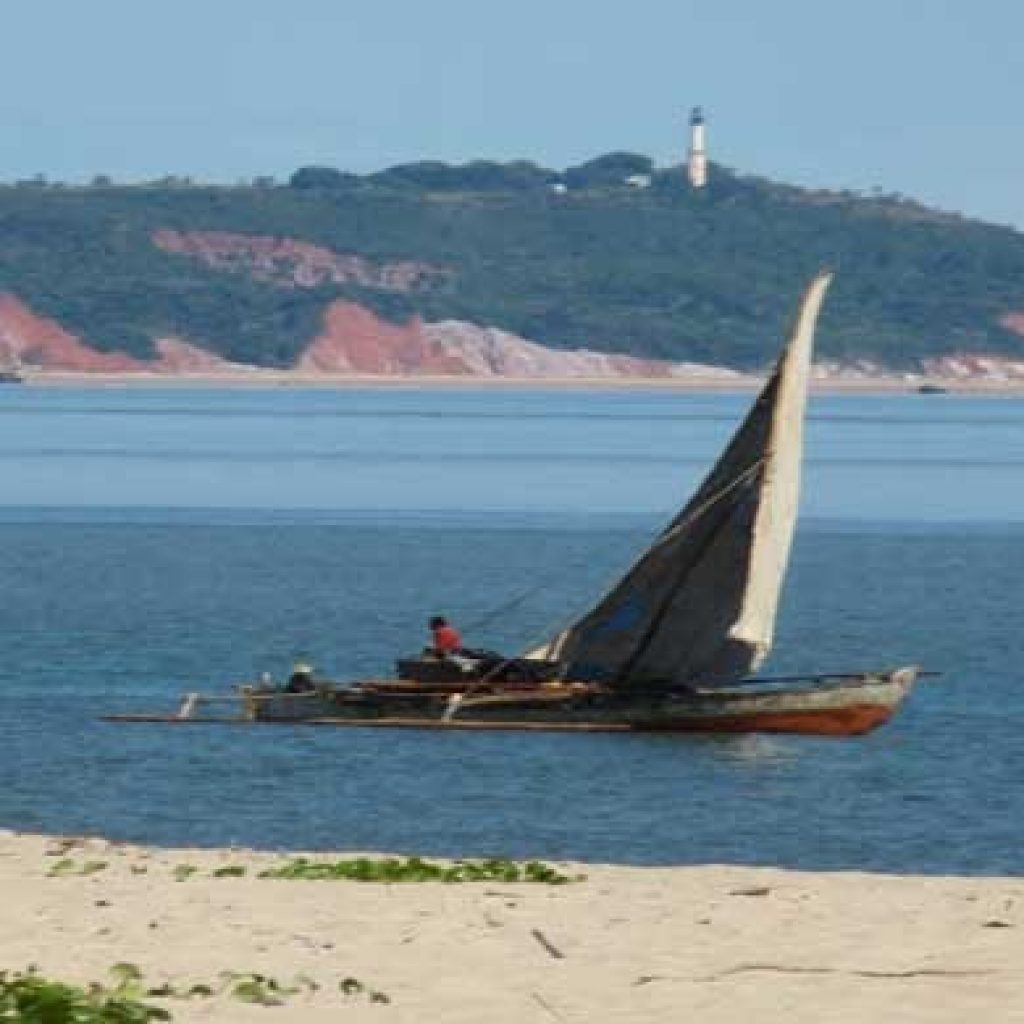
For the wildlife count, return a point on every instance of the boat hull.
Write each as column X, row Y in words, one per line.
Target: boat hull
column 841, row 706
column 820, row 706
column 848, row 721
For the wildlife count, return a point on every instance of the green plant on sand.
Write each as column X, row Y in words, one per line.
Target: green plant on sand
column 66, row 866
column 229, row 871
column 415, row 869
column 31, row 999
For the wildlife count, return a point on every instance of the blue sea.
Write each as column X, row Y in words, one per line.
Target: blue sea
column 158, row 541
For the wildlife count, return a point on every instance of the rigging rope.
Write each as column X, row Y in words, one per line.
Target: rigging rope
column 488, row 617
column 669, row 534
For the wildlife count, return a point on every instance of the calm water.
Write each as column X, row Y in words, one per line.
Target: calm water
column 153, row 542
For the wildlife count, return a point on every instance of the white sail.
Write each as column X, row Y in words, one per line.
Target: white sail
column 700, row 603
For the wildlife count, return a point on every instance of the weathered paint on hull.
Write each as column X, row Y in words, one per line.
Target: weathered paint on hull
column 853, row 721
column 849, row 727
column 840, row 706
column 849, row 708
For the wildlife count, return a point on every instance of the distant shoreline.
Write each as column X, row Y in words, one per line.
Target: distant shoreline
column 710, row 384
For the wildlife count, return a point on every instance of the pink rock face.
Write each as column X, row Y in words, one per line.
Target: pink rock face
column 1013, row 322
column 177, row 356
column 974, row 366
column 38, row 341
column 489, row 352
column 294, row 264
column 355, row 340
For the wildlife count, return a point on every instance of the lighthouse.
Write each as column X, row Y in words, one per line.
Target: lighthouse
column 697, row 159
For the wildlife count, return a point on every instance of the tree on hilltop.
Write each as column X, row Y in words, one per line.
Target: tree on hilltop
column 610, row 169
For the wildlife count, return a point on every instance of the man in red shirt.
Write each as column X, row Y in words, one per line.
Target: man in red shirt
column 446, row 638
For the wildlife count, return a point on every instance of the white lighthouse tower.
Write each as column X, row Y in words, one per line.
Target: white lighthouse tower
column 697, row 158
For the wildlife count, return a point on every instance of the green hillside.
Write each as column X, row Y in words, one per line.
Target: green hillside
column 660, row 271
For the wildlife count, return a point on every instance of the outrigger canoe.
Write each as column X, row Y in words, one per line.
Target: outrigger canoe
column 675, row 645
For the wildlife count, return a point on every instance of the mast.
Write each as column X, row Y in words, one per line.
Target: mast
column 700, row 604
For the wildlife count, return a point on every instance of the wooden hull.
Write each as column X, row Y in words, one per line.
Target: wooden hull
column 840, row 707
column 847, row 721
column 822, row 706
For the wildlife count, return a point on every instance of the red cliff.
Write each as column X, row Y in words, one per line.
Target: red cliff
column 37, row 341
column 355, row 340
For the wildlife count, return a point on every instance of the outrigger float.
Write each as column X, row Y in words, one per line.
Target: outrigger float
column 671, row 647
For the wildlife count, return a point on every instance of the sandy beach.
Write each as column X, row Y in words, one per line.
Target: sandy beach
column 710, row 944
column 696, row 384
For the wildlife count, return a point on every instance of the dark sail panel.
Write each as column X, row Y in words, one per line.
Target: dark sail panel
column 701, row 602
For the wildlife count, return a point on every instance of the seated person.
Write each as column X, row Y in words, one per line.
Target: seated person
column 446, row 639
column 301, row 679
column 447, row 646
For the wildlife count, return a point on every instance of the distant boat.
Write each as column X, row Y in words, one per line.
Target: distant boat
column 669, row 647
column 932, row 389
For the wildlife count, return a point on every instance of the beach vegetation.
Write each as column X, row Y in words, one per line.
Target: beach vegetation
column 354, row 987
column 30, row 998
column 67, row 866
column 165, row 990
column 182, row 872
column 266, row 990
column 260, row 989
column 415, row 869
column 126, row 974
column 229, row 871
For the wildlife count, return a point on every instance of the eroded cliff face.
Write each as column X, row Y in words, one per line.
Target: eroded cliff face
column 489, row 352
column 293, row 264
column 38, row 342
column 354, row 340
column 177, row 356
column 975, row 366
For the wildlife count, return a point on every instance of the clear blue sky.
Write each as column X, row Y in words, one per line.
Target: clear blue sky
column 918, row 96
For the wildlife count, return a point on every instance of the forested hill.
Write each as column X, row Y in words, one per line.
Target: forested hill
column 612, row 255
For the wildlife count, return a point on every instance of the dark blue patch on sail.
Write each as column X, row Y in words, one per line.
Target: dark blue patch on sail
column 625, row 617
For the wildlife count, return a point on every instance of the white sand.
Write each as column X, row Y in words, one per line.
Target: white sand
column 706, row 944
